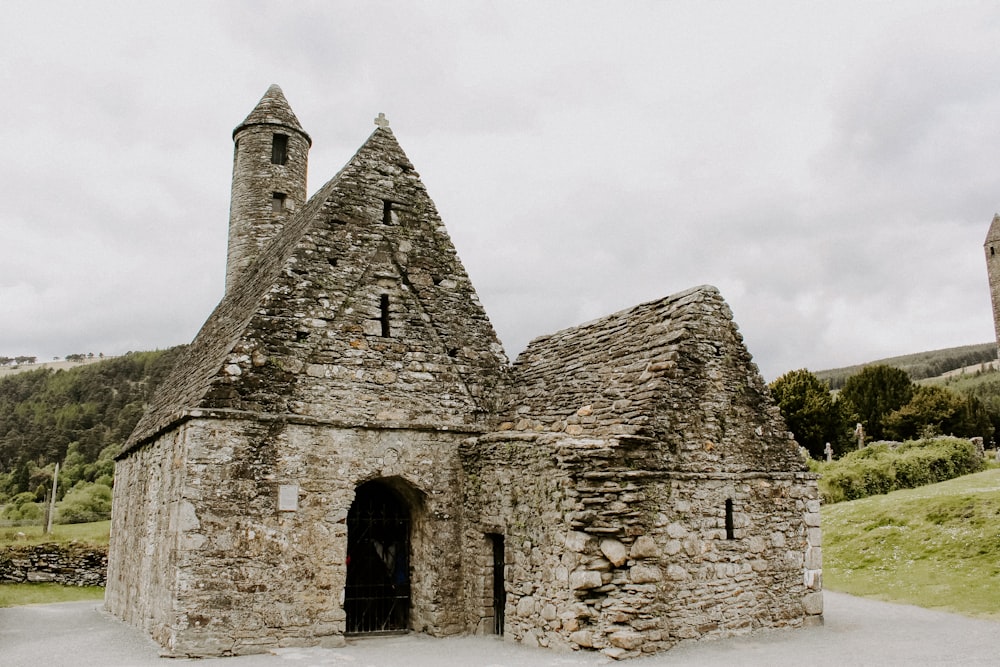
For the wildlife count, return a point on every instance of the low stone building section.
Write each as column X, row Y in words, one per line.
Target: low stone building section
column 632, row 561
column 70, row 564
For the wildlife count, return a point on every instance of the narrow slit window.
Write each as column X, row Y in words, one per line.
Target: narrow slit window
column 277, row 202
column 730, row 533
column 384, row 315
column 279, row 149
column 386, row 212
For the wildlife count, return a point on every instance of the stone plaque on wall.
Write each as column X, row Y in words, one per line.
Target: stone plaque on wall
column 288, row 498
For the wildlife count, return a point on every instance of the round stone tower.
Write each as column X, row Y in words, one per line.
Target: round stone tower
column 992, row 248
column 269, row 179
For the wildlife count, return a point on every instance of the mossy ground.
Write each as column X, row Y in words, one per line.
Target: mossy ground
column 936, row 546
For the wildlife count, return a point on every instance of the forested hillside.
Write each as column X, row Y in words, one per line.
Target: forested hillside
column 81, row 416
column 75, row 417
column 921, row 365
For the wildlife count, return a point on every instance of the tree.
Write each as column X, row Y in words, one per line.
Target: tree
column 810, row 412
column 938, row 411
column 931, row 411
column 872, row 394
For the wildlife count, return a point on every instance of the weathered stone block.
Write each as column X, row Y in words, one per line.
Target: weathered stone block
column 644, row 547
column 578, row 541
column 644, row 574
column 627, row 639
column 812, row 603
column 614, row 551
column 526, row 607
column 584, row 579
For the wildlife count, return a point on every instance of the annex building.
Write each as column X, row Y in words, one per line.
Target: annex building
column 344, row 449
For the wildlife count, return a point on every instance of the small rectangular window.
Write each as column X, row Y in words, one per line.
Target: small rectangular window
column 730, row 525
column 279, row 149
column 277, row 202
column 384, row 308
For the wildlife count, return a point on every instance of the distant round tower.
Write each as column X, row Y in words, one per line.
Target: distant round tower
column 992, row 247
column 269, row 178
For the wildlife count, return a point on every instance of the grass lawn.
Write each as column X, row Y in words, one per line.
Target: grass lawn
column 43, row 593
column 17, row 594
column 936, row 546
column 90, row 533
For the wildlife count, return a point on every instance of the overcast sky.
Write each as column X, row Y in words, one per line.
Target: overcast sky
column 831, row 167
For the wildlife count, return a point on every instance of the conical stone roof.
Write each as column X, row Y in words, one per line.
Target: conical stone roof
column 273, row 109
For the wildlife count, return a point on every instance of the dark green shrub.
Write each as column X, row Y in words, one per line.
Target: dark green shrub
column 23, row 507
column 879, row 469
column 84, row 503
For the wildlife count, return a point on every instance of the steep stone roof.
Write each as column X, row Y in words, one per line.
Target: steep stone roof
column 273, row 109
column 993, row 235
column 671, row 371
column 300, row 332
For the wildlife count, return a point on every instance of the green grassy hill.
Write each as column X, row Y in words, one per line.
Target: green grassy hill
column 936, row 546
column 920, row 365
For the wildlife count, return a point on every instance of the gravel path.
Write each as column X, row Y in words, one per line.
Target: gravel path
column 856, row 632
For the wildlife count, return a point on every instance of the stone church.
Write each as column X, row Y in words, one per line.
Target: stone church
column 345, row 450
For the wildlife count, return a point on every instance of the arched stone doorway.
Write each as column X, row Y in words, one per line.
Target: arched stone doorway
column 377, row 592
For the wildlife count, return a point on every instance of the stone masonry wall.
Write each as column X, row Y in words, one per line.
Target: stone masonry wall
column 68, row 564
column 628, row 560
column 144, row 515
column 252, row 576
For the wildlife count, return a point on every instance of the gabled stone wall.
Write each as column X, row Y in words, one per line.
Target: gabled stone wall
column 248, row 573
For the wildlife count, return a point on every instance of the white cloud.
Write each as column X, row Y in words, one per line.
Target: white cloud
column 827, row 165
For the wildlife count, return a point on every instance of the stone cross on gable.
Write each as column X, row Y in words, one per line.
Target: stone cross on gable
column 382, row 121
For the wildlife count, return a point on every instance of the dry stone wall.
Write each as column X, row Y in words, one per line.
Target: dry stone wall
column 68, row 564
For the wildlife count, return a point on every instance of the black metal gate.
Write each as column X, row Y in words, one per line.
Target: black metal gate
column 377, row 594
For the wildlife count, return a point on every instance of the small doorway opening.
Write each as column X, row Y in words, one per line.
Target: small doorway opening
column 377, row 592
column 499, row 588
